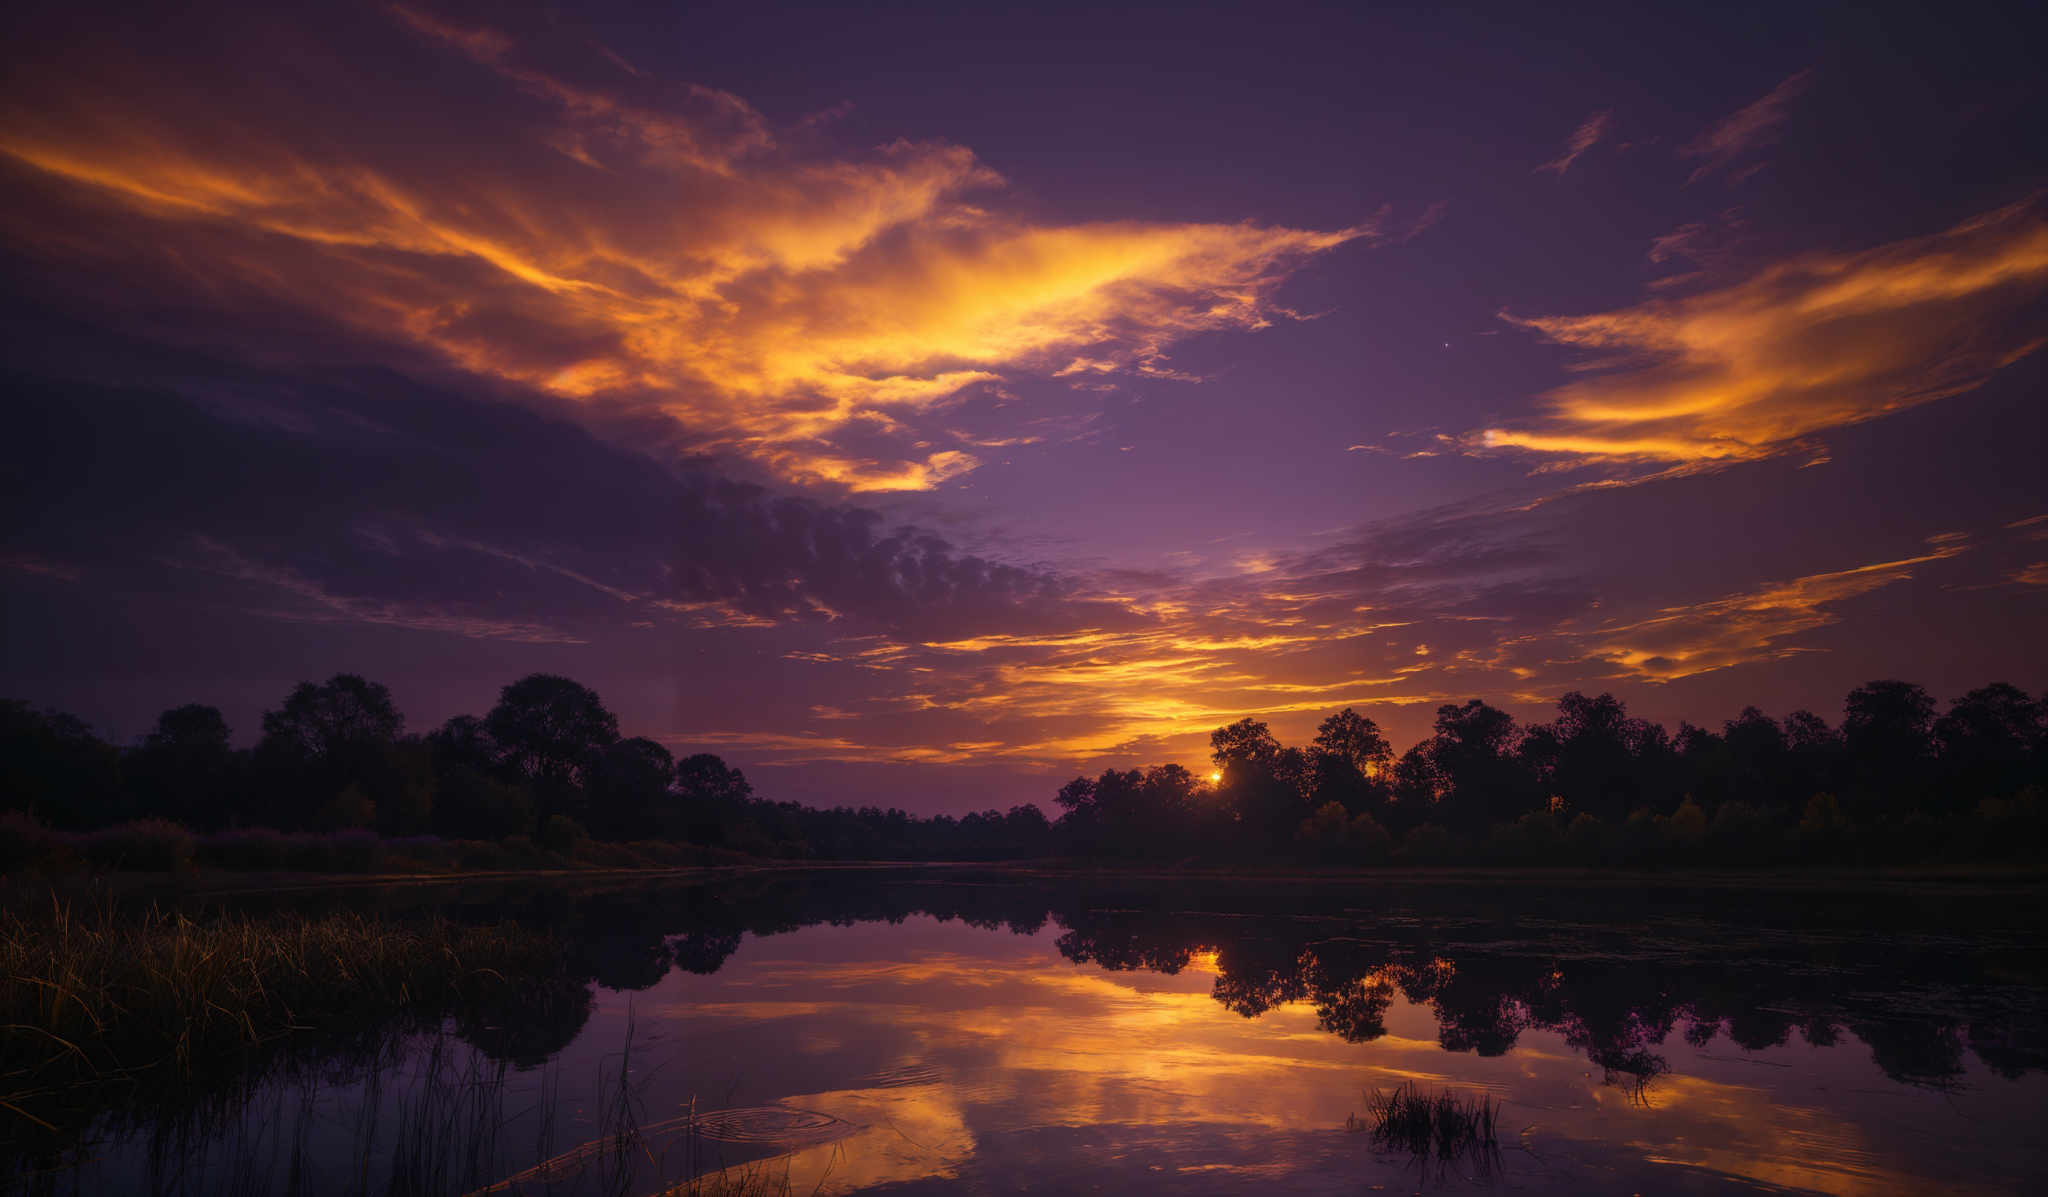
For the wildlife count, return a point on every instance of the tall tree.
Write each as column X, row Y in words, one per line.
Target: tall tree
column 330, row 738
column 632, row 794
column 1473, row 754
column 1352, row 762
column 333, row 720
column 185, row 769
column 1247, row 741
column 1988, row 743
column 552, row 731
column 1887, row 729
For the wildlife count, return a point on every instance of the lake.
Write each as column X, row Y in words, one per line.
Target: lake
column 971, row 1030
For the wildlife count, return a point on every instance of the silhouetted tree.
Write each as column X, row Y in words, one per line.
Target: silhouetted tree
column 1264, row 786
column 1418, row 788
column 332, row 739
column 52, row 766
column 1813, row 756
column 1887, row 730
column 1989, row 745
column 551, row 731
column 1353, row 763
column 631, row 793
column 1247, row 740
column 713, row 798
column 186, row 770
column 474, row 797
column 333, row 721
column 1473, row 756
column 1593, row 757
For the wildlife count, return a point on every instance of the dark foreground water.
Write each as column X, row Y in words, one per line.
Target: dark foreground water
column 935, row 1032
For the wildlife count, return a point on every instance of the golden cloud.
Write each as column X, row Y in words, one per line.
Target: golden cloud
column 1819, row 342
column 667, row 256
column 1754, row 625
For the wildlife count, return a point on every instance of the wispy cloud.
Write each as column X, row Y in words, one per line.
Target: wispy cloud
column 1755, row 625
column 1583, row 138
column 307, row 600
column 1748, row 128
column 1818, row 342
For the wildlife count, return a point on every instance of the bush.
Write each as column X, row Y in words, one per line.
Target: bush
column 24, row 841
column 1743, row 834
column 351, row 808
column 148, row 845
column 356, row 851
column 421, row 852
column 243, row 848
column 2008, row 828
column 560, row 833
column 1824, row 833
column 1686, row 830
column 1586, row 841
column 1531, row 839
column 1371, row 841
column 1428, row 844
column 1643, row 842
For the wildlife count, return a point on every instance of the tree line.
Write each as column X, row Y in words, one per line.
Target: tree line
column 1894, row 781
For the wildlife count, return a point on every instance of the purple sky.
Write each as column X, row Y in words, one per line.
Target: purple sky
column 924, row 405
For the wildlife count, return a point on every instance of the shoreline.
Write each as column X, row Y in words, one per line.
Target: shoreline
column 229, row 883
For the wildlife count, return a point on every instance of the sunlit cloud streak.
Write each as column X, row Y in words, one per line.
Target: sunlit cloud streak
column 1755, row 625
column 665, row 253
column 1749, row 370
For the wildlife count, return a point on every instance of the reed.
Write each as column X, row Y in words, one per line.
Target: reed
column 1443, row 1125
column 93, row 1001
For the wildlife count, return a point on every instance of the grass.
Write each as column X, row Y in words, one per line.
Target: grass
column 1443, row 1126
column 28, row 847
column 100, row 1008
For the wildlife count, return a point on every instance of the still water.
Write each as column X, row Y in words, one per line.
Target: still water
column 946, row 1032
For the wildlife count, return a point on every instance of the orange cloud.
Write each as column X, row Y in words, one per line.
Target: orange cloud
column 1755, row 625
column 1584, row 138
column 1749, row 127
column 1819, row 342
column 663, row 256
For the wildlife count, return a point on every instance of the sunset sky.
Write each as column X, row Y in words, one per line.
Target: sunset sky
column 925, row 404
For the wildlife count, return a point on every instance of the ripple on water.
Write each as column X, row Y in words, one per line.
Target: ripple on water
column 781, row 1125
column 903, row 1076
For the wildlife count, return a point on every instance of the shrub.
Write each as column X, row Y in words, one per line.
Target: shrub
column 421, row 851
column 1643, row 843
column 243, row 848
column 1824, row 833
column 148, row 845
column 356, row 851
column 1371, row 841
column 1743, row 834
column 1427, row 844
column 1586, row 840
column 560, row 833
column 1531, row 839
column 1686, row 830
column 350, row 808
column 24, row 841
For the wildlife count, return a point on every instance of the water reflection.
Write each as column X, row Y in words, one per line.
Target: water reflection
column 1012, row 1033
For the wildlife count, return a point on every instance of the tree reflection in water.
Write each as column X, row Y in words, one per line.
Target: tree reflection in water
column 1923, row 978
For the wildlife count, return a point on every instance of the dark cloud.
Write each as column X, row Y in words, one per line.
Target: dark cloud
column 370, row 495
